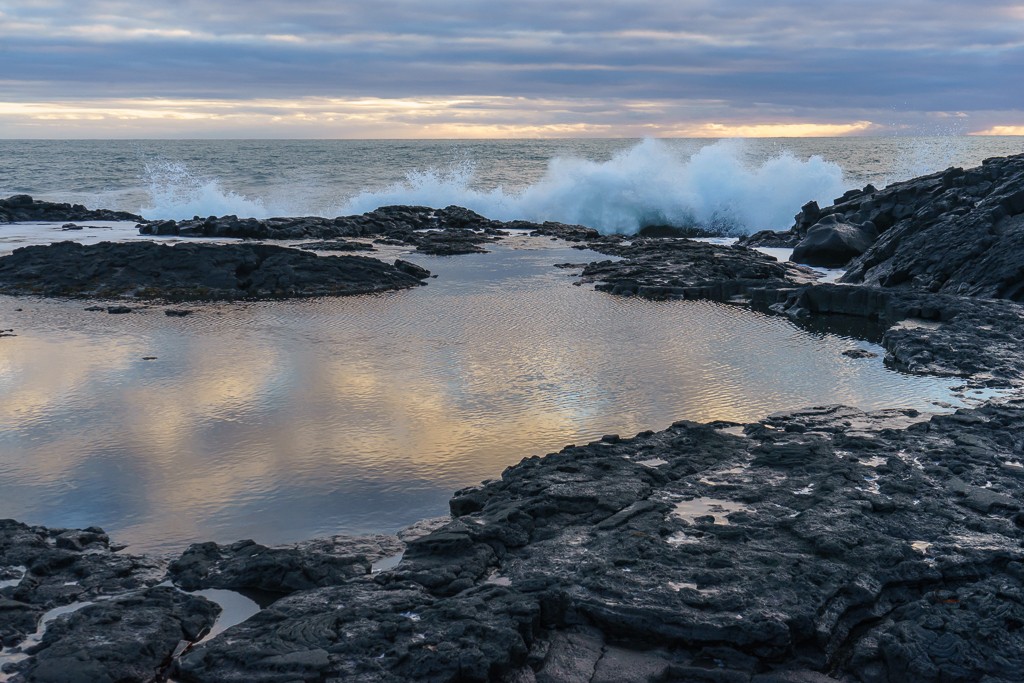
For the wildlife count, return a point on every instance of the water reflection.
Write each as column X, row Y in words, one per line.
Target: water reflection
column 283, row 420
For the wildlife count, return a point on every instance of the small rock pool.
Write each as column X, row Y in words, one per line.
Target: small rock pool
column 281, row 421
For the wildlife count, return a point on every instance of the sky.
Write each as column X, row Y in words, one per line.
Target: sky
column 530, row 68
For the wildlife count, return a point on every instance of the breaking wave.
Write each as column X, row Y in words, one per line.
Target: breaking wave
column 649, row 184
column 175, row 192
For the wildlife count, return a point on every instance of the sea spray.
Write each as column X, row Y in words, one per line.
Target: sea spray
column 176, row 192
column 648, row 184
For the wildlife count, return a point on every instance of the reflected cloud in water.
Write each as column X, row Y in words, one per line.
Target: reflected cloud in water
column 283, row 420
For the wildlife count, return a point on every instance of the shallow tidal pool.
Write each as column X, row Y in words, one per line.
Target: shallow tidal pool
column 281, row 421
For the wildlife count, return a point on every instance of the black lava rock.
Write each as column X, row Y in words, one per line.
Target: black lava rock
column 191, row 271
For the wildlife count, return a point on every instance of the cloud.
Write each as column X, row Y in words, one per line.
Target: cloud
column 1001, row 130
column 800, row 62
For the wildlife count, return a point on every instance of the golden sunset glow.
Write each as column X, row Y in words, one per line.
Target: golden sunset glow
column 426, row 117
column 773, row 130
column 1001, row 130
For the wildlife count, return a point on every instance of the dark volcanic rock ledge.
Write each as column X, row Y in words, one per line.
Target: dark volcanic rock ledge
column 955, row 232
column 195, row 271
column 21, row 207
column 664, row 268
column 445, row 232
column 824, row 544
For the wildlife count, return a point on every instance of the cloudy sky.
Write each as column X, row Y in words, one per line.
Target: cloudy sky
column 529, row 68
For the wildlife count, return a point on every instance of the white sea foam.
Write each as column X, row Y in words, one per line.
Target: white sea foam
column 648, row 184
column 177, row 193
column 651, row 183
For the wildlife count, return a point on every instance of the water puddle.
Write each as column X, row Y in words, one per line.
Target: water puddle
column 496, row 579
column 386, row 563
column 13, row 655
column 235, row 608
column 652, row 462
column 724, row 477
column 870, row 485
column 18, row 572
column 692, row 510
column 681, row 585
column 681, row 538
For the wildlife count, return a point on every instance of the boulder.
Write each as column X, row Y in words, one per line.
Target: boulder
column 832, row 242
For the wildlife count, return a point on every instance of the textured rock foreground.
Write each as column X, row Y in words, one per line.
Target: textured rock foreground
column 195, row 271
column 828, row 542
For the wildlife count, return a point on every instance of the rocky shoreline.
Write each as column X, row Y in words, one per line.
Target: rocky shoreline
column 818, row 545
column 195, row 272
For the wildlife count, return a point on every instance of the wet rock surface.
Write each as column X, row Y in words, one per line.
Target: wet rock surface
column 967, row 239
column 662, row 268
column 982, row 340
column 49, row 568
column 127, row 638
column 22, row 208
column 336, row 245
column 445, row 232
column 959, row 231
column 831, row 243
column 192, row 271
column 248, row 566
column 826, row 542
column 75, row 608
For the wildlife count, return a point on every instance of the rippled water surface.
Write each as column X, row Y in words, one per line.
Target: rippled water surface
column 283, row 420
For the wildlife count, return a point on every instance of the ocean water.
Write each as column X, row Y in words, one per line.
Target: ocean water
column 280, row 421
column 612, row 185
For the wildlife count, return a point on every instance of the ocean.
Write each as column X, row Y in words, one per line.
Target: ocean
column 612, row 185
column 284, row 420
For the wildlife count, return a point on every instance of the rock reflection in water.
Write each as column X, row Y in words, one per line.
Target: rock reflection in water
column 279, row 421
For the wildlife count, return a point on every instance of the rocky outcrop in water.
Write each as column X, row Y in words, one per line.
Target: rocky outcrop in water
column 444, row 232
column 662, row 268
column 47, row 568
column 110, row 616
column 932, row 334
column 336, row 245
column 193, row 271
column 968, row 240
column 957, row 231
column 22, row 207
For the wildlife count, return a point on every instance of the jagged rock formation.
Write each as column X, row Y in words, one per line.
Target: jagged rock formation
column 662, row 268
column 194, row 271
column 936, row 334
column 21, row 207
column 969, row 239
column 444, row 232
column 958, row 231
